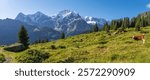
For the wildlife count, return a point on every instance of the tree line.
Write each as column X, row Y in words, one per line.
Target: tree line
column 141, row 20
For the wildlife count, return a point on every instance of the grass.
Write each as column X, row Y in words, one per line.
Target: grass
column 94, row 48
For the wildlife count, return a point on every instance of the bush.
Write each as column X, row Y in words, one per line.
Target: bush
column 145, row 32
column 101, row 46
column 114, row 57
column 53, row 47
column 118, row 57
column 32, row 56
column 67, row 60
column 129, row 42
column 62, row 47
column 15, row 47
column 103, row 42
column 2, row 58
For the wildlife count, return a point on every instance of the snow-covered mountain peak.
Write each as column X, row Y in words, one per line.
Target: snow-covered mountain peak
column 39, row 14
column 89, row 18
column 21, row 14
column 66, row 13
column 33, row 19
column 93, row 21
column 35, row 15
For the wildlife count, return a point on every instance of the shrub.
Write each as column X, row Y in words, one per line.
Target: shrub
column 102, row 46
column 32, row 56
column 67, row 60
column 118, row 57
column 2, row 58
column 129, row 42
column 103, row 42
column 145, row 32
column 62, row 47
column 114, row 57
column 53, row 47
column 15, row 47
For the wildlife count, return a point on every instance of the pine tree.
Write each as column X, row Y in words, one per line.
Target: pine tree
column 115, row 24
column 62, row 35
column 23, row 37
column 106, row 28
column 46, row 40
column 126, row 23
column 95, row 28
column 148, row 20
column 133, row 22
column 120, row 21
column 138, row 25
column 143, row 22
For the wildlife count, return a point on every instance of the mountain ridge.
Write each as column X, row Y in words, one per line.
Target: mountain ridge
column 67, row 21
column 63, row 14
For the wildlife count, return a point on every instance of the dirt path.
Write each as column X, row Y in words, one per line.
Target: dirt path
column 8, row 58
column 1, row 50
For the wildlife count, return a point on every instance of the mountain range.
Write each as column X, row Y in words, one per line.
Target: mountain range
column 41, row 26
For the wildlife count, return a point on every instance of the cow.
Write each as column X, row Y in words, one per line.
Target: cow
column 139, row 37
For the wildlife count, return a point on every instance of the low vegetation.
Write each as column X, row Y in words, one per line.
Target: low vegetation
column 2, row 58
column 32, row 56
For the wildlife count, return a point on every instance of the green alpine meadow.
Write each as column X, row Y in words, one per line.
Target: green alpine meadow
column 96, row 47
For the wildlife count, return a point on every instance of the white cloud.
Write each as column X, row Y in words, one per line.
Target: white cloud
column 148, row 5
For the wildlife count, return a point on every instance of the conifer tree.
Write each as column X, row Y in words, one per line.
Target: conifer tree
column 133, row 22
column 138, row 25
column 62, row 35
column 126, row 23
column 107, row 28
column 95, row 28
column 23, row 37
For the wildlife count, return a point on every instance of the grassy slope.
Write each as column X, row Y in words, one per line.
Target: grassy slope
column 95, row 47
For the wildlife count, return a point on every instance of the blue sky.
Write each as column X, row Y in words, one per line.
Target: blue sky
column 108, row 9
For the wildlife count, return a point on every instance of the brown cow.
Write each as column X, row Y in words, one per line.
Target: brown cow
column 139, row 37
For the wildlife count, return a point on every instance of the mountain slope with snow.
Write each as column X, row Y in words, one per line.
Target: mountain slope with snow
column 39, row 19
column 93, row 21
column 69, row 22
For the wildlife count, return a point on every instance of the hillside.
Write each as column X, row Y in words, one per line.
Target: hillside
column 93, row 48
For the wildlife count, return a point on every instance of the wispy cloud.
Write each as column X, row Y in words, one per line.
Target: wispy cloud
column 148, row 5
